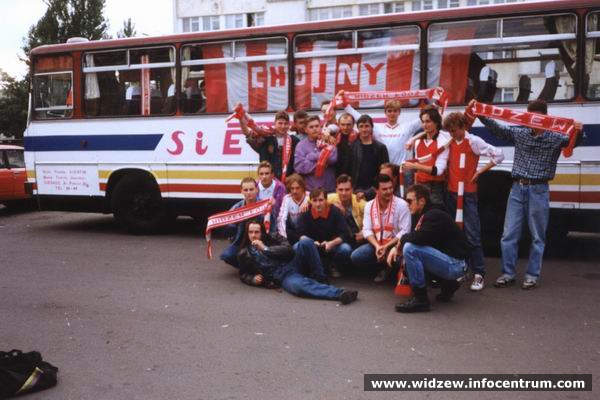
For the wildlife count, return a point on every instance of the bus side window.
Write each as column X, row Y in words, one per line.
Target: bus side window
column 116, row 81
column 216, row 76
column 360, row 60
column 592, row 57
column 53, row 87
column 532, row 57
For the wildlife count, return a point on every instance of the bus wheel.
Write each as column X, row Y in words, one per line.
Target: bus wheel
column 137, row 205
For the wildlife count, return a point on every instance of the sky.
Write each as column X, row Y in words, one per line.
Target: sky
column 151, row 17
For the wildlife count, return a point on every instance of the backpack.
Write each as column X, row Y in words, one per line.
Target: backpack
column 22, row 373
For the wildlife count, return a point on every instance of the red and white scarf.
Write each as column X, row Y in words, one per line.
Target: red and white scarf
column 462, row 162
column 244, row 213
column 438, row 94
column 286, row 154
column 326, row 150
column 532, row 120
column 377, row 222
column 240, row 114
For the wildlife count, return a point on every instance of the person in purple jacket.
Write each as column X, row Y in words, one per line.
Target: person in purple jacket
column 306, row 157
column 269, row 186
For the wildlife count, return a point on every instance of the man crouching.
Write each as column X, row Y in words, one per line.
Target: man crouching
column 437, row 246
column 267, row 260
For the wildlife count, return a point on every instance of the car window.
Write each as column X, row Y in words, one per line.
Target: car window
column 15, row 158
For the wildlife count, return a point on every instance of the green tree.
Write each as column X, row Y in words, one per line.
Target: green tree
column 128, row 29
column 13, row 105
column 65, row 19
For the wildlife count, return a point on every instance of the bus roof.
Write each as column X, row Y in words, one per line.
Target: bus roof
column 348, row 23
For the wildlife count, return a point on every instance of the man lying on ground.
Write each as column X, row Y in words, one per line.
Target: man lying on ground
column 269, row 259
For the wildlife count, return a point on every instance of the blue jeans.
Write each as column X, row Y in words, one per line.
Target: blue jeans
column 530, row 203
column 340, row 255
column 300, row 285
column 307, row 259
column 472, row 228
column 364, row 257
column 419, row 259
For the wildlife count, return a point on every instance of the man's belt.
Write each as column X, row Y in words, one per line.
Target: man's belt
column 525, row 181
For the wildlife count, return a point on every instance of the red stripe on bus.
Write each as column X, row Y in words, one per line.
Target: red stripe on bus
column 576, row 197
column 194, row 188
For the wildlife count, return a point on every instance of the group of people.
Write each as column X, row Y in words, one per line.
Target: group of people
column 350, row 194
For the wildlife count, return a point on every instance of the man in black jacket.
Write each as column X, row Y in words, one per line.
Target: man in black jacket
column 437, row 246
column 267, row 260
column 271, row 147
column 367, row 155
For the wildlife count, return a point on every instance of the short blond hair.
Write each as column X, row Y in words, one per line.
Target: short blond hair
column 393, row 104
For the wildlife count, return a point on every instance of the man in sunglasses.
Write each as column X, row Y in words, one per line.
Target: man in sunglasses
column 436, row 246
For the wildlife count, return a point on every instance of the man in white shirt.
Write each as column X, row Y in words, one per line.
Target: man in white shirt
column 386, row 219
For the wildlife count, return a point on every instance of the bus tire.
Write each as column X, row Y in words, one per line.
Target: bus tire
column 138, row 206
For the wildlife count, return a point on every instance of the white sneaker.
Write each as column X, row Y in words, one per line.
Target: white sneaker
column 477, row 284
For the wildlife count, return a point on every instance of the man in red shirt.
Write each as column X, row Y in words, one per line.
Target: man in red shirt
column 463, row 160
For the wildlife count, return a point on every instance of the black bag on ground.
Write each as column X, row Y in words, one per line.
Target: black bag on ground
column 22, row 373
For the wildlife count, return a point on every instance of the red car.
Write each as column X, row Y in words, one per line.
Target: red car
column 12, row 174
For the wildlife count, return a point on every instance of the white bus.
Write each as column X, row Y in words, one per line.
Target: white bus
column 136, row 127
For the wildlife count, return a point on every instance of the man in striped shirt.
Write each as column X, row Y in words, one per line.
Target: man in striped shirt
column 536, row 155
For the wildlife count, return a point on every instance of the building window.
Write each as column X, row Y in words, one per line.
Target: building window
column 319, row 14
column 454, row 3
column 234, row 21
column 256, row 19
column 210, row 23
column 397, row 7
column 195, row 24
column 416, row 5
column 442, row 3
column 191, row 24
column 369, row 9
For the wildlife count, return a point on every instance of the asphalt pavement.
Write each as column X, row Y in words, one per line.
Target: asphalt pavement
column 149, row 317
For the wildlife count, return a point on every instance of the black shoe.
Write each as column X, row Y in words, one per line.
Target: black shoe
column 418, row 303
column 448, row 289
column 348, row 296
